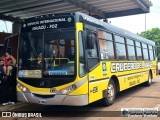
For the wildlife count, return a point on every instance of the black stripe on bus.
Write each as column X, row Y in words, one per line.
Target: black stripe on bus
column 98, row 80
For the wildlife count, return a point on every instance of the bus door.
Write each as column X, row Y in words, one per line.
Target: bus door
column 93, row 64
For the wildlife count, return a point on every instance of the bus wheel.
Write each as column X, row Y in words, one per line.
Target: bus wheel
column 111, row 94
column 149, row 82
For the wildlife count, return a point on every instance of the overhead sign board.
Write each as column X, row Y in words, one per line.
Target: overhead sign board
column 53, row 22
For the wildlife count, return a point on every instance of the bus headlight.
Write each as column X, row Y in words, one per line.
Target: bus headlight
column 24, row 89
column 74, row 87
column 21, row 87
column 69, row 89
column 64, row 91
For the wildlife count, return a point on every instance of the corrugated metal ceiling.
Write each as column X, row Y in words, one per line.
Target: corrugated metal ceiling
column 19, row 9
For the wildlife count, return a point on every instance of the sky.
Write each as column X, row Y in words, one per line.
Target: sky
column 5, row 26
column 136, row 23
column 132, row 23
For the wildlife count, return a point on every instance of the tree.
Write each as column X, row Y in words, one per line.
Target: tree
column 154, row 35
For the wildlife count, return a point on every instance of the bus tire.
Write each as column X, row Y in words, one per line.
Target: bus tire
column 110, row 96
column 149, row 82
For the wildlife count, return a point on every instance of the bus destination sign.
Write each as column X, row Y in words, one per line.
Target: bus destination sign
column 48, row 23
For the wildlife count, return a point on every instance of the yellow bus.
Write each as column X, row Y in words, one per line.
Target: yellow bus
column 75, row 59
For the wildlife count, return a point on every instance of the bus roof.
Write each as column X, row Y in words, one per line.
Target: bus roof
column 115, row 29
column 103, row 25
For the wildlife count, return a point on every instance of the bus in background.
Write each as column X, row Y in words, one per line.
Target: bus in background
column 75, row 59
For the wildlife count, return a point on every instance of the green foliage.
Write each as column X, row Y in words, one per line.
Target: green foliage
column 154, row 35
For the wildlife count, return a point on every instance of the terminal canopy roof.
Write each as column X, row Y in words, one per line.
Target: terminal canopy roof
column 13, row 10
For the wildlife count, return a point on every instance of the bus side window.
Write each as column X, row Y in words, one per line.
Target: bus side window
column 138, row 50
column 106, row 45
column 120, row 48
column 92, row 45
column 154, row 53
column 151, row 53
column 145, row 51
column 131, row 49
column 92, row 50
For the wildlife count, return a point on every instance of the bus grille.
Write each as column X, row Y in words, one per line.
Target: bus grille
column 43, row 96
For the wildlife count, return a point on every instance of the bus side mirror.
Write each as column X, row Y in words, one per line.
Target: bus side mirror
column 90, row 41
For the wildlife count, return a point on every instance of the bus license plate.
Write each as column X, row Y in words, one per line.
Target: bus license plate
column 42, row 102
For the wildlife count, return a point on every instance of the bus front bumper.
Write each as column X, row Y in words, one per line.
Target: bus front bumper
column 78, row 100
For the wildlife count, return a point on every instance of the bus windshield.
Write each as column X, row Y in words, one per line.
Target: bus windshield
column 52, row 52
